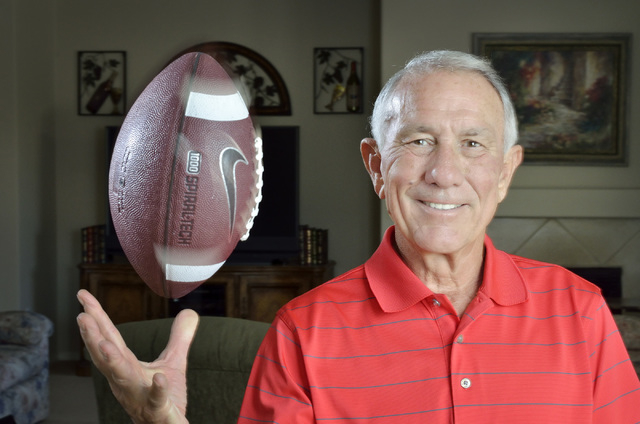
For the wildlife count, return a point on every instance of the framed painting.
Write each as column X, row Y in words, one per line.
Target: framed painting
column 569, row 92
column 338, row 80
column 101, row 83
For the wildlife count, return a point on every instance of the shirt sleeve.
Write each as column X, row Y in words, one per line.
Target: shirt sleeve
column 278, row 391
column 616, row 389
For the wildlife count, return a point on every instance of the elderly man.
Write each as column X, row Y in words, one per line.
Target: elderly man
column 438, row 325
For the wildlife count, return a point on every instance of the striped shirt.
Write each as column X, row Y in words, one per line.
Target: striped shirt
column 536, row 345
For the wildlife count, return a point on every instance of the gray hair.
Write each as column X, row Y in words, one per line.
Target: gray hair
column 444, row 60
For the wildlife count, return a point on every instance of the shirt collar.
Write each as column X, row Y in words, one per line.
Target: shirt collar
column 397, row 288
column 502, row 280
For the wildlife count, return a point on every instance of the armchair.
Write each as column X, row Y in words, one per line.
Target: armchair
column 219, row 363
column 24, row 366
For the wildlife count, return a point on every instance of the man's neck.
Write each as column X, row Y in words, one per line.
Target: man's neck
column 457, row 276
column 459, row 293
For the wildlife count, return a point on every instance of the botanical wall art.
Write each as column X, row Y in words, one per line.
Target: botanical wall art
column 101, row 82
column 338, row 80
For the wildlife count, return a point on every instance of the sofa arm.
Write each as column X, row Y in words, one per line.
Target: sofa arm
column 24, row 328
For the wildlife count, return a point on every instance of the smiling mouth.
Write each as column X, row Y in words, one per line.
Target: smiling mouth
column 442, row 206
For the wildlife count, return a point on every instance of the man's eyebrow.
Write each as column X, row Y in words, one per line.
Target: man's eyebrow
column 472, row 132
column 407, row 130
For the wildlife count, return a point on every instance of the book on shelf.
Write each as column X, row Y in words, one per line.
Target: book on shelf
column 314, row 243
column 93, row 246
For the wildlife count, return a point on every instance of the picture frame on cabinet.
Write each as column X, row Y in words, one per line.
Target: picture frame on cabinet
column 569, row 92
column 102, row 83
column 338, row 80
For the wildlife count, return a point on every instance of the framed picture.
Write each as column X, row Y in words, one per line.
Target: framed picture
column 569, row 92
column 101, row 83
column 338, row 83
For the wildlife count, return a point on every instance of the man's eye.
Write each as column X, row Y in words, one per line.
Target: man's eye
column 421, row 142
column 473, row 143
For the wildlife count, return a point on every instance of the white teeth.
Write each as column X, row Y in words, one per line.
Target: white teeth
column 442, row 207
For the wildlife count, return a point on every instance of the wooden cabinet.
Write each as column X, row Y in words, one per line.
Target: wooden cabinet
column 242, row 291
column 262, row 294
column 121, row 292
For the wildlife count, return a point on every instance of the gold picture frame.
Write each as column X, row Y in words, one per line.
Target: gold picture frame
column 569, row 91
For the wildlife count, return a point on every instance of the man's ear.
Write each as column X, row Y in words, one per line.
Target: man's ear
column 512, row 159
column 372, row 161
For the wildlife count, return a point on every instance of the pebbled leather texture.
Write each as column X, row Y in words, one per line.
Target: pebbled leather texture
column 183, row 180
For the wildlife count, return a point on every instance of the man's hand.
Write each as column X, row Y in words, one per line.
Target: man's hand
column 153, row 392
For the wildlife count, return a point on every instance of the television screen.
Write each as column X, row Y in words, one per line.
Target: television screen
column 274, row 236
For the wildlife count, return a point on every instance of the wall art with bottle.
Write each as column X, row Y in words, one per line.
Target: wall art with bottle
column 101, row 83
column 338, row 82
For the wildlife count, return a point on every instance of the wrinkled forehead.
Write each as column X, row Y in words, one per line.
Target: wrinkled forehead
column 417, row 89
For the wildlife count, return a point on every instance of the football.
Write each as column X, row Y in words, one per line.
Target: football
column 185, row 177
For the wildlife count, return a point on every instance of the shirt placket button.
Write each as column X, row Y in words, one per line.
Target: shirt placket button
column 465, row 383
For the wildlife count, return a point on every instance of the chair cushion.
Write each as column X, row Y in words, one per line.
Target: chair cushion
column 19, row 363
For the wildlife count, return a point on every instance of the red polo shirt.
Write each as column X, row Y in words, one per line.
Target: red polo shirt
column 537, row 345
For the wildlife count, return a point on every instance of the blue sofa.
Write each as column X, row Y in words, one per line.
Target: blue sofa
column 24, row 366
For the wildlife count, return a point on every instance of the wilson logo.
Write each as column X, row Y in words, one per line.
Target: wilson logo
column 193, row 162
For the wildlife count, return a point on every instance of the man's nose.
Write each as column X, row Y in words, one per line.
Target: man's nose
column 447, row 167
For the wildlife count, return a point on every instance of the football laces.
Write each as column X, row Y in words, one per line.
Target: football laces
column 259, row 184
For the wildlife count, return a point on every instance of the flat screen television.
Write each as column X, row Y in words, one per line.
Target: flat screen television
column 274, row 237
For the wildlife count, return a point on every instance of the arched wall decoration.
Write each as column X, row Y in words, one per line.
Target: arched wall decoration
column 268, row 92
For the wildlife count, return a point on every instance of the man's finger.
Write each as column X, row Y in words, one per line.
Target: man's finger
column 106, row 327
column 183, row 331
column 158, row 402
column 120, row 369
column 88, row 329
column 106, row 356
column 92, row 337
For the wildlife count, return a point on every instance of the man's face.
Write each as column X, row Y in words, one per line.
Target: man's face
column 443, row 169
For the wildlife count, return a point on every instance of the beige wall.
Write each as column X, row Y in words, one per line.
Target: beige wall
column 409, row 27
column 593, row 202
column 52, row 161
column 575, row 242
column 285, row 32
column 27, row 171
column 8, row 163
